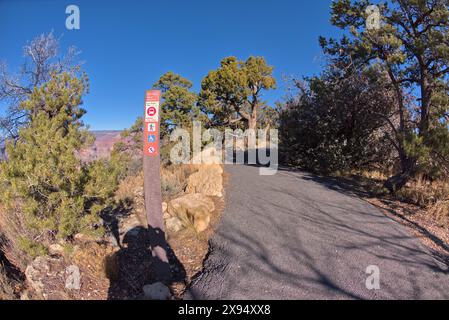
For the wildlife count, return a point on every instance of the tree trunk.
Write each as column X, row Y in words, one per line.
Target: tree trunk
column 398, row 181
column 252, row 123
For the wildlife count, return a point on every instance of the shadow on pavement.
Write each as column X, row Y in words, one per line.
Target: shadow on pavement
column 291, row 236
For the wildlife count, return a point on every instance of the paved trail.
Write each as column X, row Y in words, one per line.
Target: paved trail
column 293, row 236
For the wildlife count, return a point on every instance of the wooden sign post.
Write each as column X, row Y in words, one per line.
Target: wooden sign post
column 152, row 186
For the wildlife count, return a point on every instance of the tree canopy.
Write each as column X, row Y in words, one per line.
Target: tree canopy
column 232, row 93
column 411, row 43
column 42, row 59
column 46, row 190
column 178, row 108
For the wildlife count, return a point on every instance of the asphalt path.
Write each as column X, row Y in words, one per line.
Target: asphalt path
column 298, row 236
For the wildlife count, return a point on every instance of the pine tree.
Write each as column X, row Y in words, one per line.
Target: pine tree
column 48, row 193
column 178, row 108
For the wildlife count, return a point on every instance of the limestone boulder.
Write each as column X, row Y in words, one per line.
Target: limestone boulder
column 56, row 249
column 173, row 224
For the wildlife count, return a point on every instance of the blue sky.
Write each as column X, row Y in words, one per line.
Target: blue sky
column 128, row 45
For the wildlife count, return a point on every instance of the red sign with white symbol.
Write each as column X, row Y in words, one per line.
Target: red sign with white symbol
column 151, row 111
column 151, row 127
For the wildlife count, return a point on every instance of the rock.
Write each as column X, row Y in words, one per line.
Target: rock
column 201, row 224
column 56, row 249
column 81, row 237
column 173, row 224
column 113, row 241
column 164, row 210
column 194, row 208
column 73, row 279
column 208, row 180
column 35, row 272
column 156, row 291
column 139, row 192
column 42, row 271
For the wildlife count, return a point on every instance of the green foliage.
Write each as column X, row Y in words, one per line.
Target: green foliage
column 178, row 108
column 135, row 136
column 231, row 94
column 129, row 149
column 57, row 195
column 41, row 59
column 411, row 45
column 334, row 123
column 32, row 248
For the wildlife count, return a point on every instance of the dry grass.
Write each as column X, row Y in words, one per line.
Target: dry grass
column 12, row 225
column 424, row 193
column 130, row 188
column 191, row 248
column 174, row 180
column 430, row 195
column 188, row 246
column 440, row 212
column 98, row 260
column 421, row 205
column 374, row 175
column 173, row 183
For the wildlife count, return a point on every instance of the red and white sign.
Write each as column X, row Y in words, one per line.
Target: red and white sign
column 151, row 127
column 152, row 111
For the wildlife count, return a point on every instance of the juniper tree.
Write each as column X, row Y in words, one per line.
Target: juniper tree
column 232, row 93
